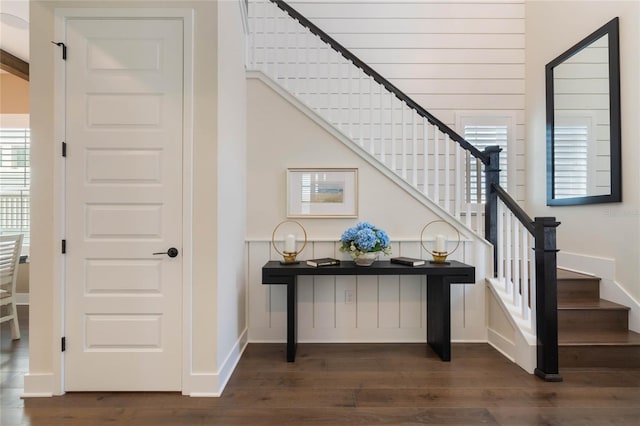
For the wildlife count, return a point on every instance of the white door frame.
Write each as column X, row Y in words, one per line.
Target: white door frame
column 62, row 15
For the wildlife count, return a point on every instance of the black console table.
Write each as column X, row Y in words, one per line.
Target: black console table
column 439, row 278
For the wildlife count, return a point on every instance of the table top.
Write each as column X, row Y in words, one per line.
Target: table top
column 464, row 273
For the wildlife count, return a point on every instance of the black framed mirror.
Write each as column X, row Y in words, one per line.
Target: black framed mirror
column 583, row 121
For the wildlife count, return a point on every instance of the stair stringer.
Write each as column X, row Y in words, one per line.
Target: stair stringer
column 364, row 154
column 519, row 342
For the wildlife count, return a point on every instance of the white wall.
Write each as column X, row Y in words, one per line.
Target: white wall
column 609, row 231
column 281, row 136
column 232, row 191
column 449, row 56
column 211, row 286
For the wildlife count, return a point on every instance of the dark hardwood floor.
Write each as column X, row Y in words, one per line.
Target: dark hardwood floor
column 344, row 384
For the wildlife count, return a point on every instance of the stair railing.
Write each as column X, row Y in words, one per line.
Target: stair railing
column 368, row 109
column 425, row 152
column 525, row 266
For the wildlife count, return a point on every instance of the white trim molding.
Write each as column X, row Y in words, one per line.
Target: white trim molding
column 213, row 384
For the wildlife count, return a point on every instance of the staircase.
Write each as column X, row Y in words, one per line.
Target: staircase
column 592, row 332
column 428, row 159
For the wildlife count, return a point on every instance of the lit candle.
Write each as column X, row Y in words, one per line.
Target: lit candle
column 441, row 243
column 290, row 243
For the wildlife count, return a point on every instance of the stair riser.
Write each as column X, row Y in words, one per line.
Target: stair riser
column 599, row 356
column 594, row 320
column 573, row 291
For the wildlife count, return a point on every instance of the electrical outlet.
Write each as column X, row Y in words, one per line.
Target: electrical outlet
column 348, row 297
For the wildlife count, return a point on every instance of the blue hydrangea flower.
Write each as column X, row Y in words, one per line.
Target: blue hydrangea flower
column 364, row 237
column 349, row 235
column 383, row 237
column 364, row 225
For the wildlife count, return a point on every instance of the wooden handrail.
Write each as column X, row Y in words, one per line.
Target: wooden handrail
column 515, row 208
column 335, row 45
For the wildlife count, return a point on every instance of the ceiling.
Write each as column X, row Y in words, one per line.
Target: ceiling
column 14, row 28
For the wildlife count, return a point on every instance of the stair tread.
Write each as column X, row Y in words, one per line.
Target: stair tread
column 600, row 304
column 564, row 274
column 598, row 338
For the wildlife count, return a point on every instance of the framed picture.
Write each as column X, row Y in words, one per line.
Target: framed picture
column 322, row 193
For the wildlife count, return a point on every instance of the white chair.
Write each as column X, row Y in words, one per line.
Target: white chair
column 10, row 246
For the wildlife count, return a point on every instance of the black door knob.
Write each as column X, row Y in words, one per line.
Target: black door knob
column 172, row 252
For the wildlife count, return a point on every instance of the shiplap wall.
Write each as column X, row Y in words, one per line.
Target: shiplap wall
column 384, row 308
column 450, row 56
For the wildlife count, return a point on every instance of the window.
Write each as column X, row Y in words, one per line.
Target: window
column 574, row 156
column 483, row 131
column 15, row 175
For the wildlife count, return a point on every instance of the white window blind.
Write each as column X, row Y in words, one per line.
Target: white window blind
column 570, row 157
column 15, row 180
column 574, row 153
column 483, row 131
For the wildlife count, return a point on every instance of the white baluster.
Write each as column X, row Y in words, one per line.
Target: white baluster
column 500, row 244
column 393, row 132
column 425, row 156
column 251, row 11
column 458, row 182
column 414, row 148
column 266, row 48
column 339, row 92
column 372, row 147
column 381, row 126
column 318, row 82
column 404, row 142
column 524, row 301
column 533, row 287
column 508, row 247
column 447, row 173
column 350, row 67
column 276, row 52
column 467, row 187
column 296, row 62
column 329, row 90
column 479, row 204
column 285, row 54
column 306, row 81
column 436, row 165
column 516, row 260
column 361, row 110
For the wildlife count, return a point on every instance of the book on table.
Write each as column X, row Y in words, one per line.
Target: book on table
column 324, row 261
column 409, row 261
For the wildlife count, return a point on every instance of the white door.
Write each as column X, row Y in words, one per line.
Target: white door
column 124, row 96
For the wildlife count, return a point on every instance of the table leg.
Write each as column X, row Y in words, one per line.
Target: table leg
column 292, row 325
column 439, row 316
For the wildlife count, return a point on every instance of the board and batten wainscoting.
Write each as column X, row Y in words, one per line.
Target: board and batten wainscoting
column 363, row 308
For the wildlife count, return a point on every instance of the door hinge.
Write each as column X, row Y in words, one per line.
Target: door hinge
column 64, row 49
column 64, row 149
column 63, row 344
column 64, row 246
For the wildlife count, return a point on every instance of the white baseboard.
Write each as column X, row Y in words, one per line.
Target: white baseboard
column 230, row 363
column 503, row 345
column 610, row 289
column 212, row 384
column 38, row 385
column 22, row 298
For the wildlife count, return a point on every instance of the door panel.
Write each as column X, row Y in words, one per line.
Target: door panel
column 124, row 131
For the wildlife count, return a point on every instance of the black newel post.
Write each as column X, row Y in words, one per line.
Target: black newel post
column 492, row 176
column 546, row 298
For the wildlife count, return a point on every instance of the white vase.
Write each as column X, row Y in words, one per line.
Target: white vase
column 366, row 259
